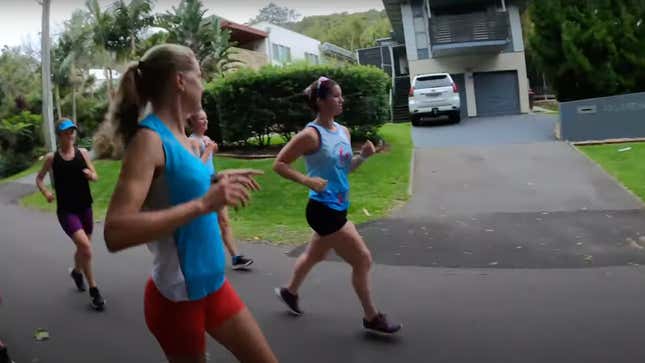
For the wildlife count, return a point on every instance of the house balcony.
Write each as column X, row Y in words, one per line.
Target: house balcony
column 249, row 58
column 477, row 32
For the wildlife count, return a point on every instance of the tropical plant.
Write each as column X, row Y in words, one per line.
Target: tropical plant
column 131, row 21
column 188, row 25
column 102, row 24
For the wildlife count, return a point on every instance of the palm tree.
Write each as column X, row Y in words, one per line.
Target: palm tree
column 188, row 25
column 73, row 55
column 131, row 21
column 102, row 23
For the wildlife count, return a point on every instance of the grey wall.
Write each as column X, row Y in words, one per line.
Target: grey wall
column 603, row 118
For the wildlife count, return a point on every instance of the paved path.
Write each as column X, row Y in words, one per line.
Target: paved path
column 456, row 276
column 518, row 129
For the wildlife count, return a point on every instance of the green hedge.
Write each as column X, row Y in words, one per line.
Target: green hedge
column 252, row 104
column 20, row 142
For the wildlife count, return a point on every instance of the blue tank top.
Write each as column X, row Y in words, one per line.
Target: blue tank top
column 332, row 162
column 202, row 148
column 189, row 264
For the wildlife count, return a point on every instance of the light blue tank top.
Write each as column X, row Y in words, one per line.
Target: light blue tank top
column 332, row 162
column 202, row 148
column 189, row 264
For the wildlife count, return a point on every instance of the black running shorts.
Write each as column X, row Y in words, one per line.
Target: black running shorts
column 323, row 219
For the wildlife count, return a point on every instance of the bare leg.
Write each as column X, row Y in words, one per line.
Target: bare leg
column 83, row 255
column 350, row 246
column 227, row 232
column 242, row 336
column 316, row 251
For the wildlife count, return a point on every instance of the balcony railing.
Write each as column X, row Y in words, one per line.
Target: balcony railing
column 466, row 28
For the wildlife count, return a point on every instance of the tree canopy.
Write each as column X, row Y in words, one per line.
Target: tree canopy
column 590, row 48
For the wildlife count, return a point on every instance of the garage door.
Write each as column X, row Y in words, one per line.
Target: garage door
column 461, row 84
column 497, row 93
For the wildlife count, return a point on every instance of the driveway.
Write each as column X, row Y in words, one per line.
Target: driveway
column 501, row 193
column 479, row 131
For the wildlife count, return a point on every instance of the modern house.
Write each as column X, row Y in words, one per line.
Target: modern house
column 250, row 43
column 265, row 43
column 479, row 42
column 284, row 46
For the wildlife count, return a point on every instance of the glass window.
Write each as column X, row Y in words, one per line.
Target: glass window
column 432, row 82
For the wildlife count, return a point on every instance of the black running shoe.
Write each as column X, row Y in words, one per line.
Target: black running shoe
column 4, row 354
column 289, row 299
column 241, row 262
column 96, row 300
column 78, row 279
column 380, row 325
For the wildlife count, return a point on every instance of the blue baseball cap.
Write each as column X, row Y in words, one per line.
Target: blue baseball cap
column 66, row 125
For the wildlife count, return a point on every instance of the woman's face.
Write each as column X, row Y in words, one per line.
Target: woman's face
column 191, row 88
column 200, row 123
column 333, row 104
column 67, row 136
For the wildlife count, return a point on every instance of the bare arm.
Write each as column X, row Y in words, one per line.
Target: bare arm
column 40, row 177
column 304, row 142
column 367, row 150
column 208, row 151
column 90, row 172
column 126, row 225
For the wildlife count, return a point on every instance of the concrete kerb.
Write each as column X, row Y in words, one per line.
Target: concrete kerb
column 411, row 181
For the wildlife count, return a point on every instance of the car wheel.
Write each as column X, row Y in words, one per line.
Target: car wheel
column 415, row 121
column 455, row 117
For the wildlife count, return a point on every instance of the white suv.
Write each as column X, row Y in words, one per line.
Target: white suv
column 433, row 95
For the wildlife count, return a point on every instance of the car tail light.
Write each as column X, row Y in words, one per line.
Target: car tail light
column 411, row 93
column 455, row 89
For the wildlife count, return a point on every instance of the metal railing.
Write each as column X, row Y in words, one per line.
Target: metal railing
column 473, row 27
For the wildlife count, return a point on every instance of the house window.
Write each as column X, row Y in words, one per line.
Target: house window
column 312, row 58
column 281, row 53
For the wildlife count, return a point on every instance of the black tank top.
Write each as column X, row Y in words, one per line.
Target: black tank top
column 72, row 187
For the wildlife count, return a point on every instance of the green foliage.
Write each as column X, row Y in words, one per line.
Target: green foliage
column 90, row 112
column 19, row 81
column 20, row 133
column 20, row 141
column 350, row 31
column 590, row 48
column 131, row 21
column 13, row 163
column 379, row 185
column 275, row 14
column 255, row 104
column 188, row 25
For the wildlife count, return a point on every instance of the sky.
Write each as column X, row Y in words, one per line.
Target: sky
column 20, row 20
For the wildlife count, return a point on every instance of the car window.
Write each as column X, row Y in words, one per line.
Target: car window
column 432, row 81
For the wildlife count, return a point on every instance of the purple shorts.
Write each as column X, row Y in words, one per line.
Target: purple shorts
column 72, row 222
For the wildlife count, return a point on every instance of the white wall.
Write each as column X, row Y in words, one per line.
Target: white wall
column 516, row 28
column 408, row 31
column 298, row 43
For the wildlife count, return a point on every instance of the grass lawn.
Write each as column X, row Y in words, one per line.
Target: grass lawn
column 32, row 169
column 551, row 105
column 276, row 213
column 108, row 171
column 626, row 166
